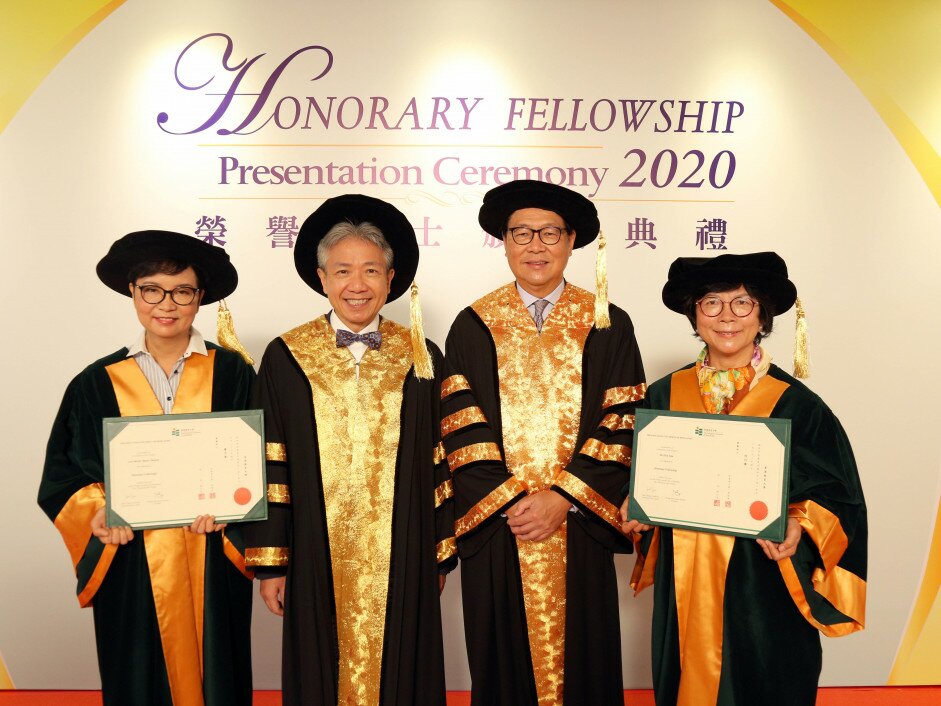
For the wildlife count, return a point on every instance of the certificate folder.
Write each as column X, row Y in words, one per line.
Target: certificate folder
column 711, row 473
column 165, row 470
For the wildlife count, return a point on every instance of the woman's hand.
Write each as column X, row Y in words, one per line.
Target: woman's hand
column 109, row 535
column 630, row 527
column 792, row 537
column 204, row 524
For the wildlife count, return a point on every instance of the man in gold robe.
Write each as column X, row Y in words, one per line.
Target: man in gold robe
column 360, row 530
column 537, row 423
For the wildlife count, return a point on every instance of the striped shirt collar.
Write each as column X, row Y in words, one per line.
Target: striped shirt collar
column 197, row 344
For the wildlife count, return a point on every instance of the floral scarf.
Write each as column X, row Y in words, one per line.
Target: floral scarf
column 721, row 390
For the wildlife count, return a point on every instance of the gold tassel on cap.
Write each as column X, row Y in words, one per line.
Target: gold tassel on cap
column 801, row 354
column 225, row 333
column 422, row 359
column 602, row 317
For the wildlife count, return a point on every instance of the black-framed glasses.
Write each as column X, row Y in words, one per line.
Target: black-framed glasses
column 152, row 294
column 712, row 306
column 550, row 235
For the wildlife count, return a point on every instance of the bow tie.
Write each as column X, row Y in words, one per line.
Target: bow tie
column 371, row 339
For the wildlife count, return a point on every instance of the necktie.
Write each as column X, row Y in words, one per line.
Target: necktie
column 372, row 339
column 540, row 306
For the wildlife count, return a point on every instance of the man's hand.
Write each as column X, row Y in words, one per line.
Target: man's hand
column 630, row 527
column 109, row 535
column 204, row 524
column 537, row 516
column 788, row 547
column 272, row 593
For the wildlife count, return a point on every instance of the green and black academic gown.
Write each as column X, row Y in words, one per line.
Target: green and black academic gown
column 360, row 518
column 172, row 609
column 746, row 629
column 526, row 411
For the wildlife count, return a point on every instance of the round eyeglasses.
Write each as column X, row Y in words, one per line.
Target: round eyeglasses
column 712, row 305
column 152, row 294
column 550, row 235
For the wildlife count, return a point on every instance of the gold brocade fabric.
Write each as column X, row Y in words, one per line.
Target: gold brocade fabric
column 267, row 556
column 275, row 452
column 358, row 435
column 540, row 400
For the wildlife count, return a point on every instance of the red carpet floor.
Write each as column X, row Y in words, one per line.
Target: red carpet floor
column 861, row 696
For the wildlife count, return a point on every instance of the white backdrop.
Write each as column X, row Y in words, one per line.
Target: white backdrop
column 818, row 177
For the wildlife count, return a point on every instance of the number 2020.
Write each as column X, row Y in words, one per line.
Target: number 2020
column 664, row 166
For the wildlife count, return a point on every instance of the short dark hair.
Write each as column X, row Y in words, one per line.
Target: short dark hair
column 167, row 266
column 766, row 310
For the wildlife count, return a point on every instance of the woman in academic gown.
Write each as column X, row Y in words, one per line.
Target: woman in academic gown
column 172, row 607
column 737, row 621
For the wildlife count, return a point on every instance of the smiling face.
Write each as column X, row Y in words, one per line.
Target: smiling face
column 356, row 281
column 166, row 322
column 538, row 267
column 729, row 338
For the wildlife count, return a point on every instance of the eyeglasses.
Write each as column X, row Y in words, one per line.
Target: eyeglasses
column 152, row 294
column 712, row 305
column 550, row 235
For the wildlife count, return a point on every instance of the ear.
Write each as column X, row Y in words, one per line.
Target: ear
column 572, row 235
column 323, row 278
column 130, row 286
column 389, row 276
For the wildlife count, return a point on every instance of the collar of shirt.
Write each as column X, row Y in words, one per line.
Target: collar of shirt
column 357, row 348
column 197, row 344
column 529, row 300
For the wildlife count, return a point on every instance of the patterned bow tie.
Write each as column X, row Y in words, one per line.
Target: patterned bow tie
column 372, row 339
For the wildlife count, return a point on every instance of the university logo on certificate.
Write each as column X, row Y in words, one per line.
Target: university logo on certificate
column 166, row 470
column 710, row 472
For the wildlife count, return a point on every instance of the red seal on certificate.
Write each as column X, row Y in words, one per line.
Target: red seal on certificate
column 243, row 496
column 758, row 510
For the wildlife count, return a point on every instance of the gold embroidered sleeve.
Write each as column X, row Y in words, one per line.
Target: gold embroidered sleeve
column 618, row 422
column 623, row 395
column 486, row 451
column 589, row 498
column 453, row 384
column 279, row 493
column 267, row 556
column 276, row 452
column 446, row 549
column 443, row 492
column 497, row 498
column 601, row 451
column 462, row 418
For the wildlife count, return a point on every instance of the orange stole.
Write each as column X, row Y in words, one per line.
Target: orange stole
column 176, row 558
column 540, row 378
column 703, row 558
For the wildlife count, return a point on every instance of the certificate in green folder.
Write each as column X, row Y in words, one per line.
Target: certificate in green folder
column 166, row 470
column 711, row 473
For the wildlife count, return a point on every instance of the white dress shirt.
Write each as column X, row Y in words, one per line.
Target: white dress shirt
column 529, row 300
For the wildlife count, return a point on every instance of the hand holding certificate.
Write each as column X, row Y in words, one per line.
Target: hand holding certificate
column 725, row 474
column 166, row 470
